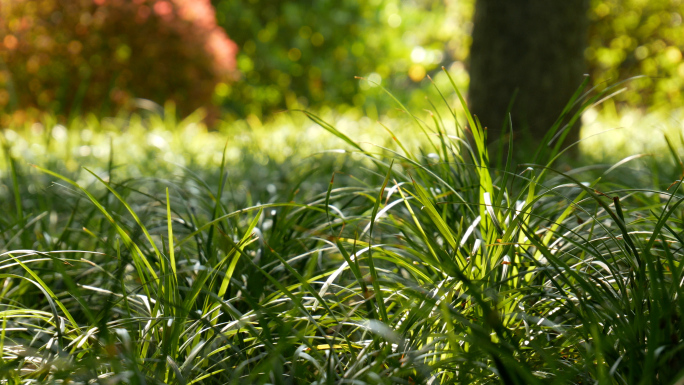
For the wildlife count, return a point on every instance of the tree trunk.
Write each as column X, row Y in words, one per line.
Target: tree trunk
column 534, row 47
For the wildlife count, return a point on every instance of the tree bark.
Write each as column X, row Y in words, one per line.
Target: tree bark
column 534, row 47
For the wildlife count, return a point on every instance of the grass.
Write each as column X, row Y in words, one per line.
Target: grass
column 630, row 132
column 380, row 265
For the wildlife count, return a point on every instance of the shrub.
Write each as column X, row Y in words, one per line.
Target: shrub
column 632, row 38
column 68, row 56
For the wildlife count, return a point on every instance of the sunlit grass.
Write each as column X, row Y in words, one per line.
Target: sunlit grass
column 633, row 131
column 150, row 141
column 418, row 263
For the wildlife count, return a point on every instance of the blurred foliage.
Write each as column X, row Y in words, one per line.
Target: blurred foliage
column 309, row 52
column 638, row 37
column 66, row 56
column 312, row 50
column 71, row 56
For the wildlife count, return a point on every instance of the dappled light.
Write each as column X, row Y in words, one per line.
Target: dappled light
column 341, row 192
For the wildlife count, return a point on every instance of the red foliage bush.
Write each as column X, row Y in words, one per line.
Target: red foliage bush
column 68, row 56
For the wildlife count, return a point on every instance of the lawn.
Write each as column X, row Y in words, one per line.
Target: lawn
column 150, row 250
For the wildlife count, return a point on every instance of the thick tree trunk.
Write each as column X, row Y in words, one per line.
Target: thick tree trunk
column 535, row 47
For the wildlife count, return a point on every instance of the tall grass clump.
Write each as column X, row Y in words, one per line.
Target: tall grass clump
column 427, row 266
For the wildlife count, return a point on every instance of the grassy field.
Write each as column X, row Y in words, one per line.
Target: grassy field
column 150, row 251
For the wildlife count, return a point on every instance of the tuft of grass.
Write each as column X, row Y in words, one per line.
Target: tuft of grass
column 380, row 265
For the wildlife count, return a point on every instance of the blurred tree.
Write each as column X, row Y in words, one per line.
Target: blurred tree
column 532, row 47
column 310, row 51
column 290, row 49
column 71, row 56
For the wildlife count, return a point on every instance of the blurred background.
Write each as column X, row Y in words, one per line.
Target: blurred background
column 243, row 62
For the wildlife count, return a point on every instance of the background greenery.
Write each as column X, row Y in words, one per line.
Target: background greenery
column 299, row 54
column 631, row 38
column 68, row 57
column 313, row 50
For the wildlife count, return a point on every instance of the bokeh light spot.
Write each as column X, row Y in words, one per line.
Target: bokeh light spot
column 317, row 39
column 294, row 54
column 394, row 20
column 222, row 90
column 374, row 79
column 417, row 72
column 418, row 54
column 641, row 52
column 673, row 54
column 305, row 32
column 10, row 42
column 163, row 8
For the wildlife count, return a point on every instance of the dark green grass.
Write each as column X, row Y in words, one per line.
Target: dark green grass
column 427, row 267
